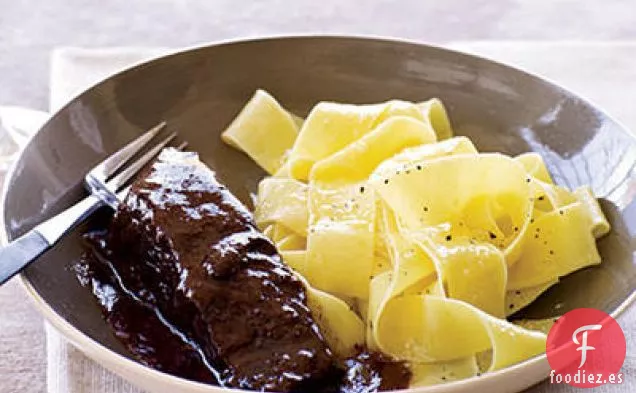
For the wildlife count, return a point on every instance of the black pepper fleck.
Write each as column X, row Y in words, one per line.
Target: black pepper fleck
column 448, row 238
column 419, row 167
column 386, row 181
column 492, row 235
column 541, row 198
column 362, row 190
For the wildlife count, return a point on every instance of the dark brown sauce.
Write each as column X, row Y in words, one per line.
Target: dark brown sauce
column 157, row 344
column 146, row 334
column 192, row 288
column 372, row 371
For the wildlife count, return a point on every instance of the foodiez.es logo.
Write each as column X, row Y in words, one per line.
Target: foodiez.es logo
column 586, row 348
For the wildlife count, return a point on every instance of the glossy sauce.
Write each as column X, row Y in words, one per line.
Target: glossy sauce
column 145, row 333
column 192, row 288
column 157, row 344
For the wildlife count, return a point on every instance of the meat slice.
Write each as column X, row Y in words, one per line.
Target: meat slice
column 184, row 244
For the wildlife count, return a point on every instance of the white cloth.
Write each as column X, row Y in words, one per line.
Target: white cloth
column 605, row 73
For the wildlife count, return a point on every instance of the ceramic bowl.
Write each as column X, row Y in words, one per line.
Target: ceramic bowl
column 199, row 91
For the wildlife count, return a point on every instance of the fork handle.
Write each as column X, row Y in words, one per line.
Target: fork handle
column 19, row 253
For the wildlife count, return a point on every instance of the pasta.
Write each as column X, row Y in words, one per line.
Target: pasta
column 409, row 240
column 266, row 143
column 282, row 201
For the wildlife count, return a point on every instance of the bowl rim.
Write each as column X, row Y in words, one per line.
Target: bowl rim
column 113, row 360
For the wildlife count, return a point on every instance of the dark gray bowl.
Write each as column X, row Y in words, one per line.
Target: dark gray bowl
column 199, row 91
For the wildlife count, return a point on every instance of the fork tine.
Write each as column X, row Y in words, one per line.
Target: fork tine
column 110, row 165
column 122, row 177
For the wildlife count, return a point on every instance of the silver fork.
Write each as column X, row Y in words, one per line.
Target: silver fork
column 104, row 184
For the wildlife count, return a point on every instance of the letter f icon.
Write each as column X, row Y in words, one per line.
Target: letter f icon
column 584, row 347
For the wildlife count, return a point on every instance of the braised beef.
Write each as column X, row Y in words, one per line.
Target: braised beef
column 183, row 243
column 192, row 288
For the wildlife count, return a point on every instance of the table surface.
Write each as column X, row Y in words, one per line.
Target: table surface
column 29, row 30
